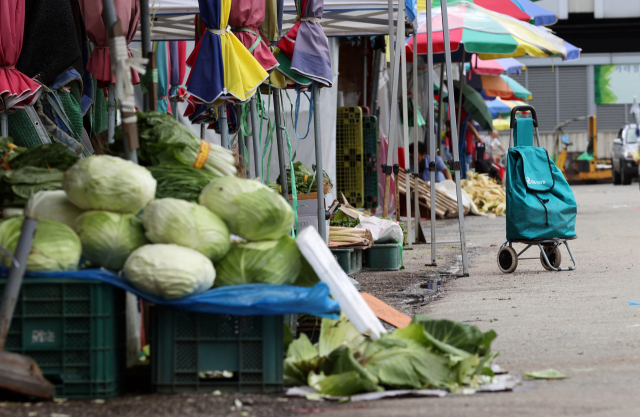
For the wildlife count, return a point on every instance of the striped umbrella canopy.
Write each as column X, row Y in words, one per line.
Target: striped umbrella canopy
column 499, row 107
column 221, row 67
column 524, row 10
column 501, row 124
column 246, row 18
column 503, row 86
column 16, row 89
column 499, row 66
column 304, row 50
column 489, row 34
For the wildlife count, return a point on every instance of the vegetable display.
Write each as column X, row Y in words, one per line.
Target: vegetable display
column 250, row 209
column 55, row 246
column 486, row 193
column 305, row 180
column 53, row 205
column 169, row 271
column 109, row 183
column 166, row 141
column 50, row 155
column 17, row 186
column 169, row 220
column 426, row 354
column 269, row 262
column 109, row 238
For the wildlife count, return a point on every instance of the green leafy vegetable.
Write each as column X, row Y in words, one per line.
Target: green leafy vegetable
column 55, row 246
column 250, row 209
column 17, row 186
column 109, row 238
column 178, row 181
column 109, row 183
column 53, row 205
column 269, row 262
column 166, row 141
column 169, row 271
column 344, row 222
column 50, row 155
column 169, row 220
column 547, row 374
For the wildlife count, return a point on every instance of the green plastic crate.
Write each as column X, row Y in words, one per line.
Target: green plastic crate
column 76, row 332
column 385, row 257
column 349, row 259
column 350, row 155
column 370, row 145
column 188, row 348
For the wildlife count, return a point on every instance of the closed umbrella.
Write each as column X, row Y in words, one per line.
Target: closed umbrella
column 128, row 12
column 221, row 67
column 475, row 105
column 503, row 86
column 306, row 45
column 163, row 64
column 246, row 18
column 16, row 89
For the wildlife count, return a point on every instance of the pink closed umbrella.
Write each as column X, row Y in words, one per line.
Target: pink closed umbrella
column 16, row 89
column 245, row 18
column 99, row 65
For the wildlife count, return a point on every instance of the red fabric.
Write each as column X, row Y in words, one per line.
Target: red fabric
column 485, row 67
column 249, row 14
column 468, row 136
column 16, row 89
column 455, row 37
column 99, row 65
column 182, row 57
column 288, row 42
column 401, row 157
column 505, row 7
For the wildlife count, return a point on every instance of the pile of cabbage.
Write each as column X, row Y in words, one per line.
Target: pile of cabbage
column 106, row 213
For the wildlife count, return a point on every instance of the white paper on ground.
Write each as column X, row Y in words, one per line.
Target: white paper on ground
column 449, row 188
column 383, row 231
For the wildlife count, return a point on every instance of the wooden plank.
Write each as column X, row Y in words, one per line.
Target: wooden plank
column 385, row 312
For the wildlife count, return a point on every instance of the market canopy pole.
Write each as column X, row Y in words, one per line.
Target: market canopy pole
column 317, row 130
column 431, row 136
column 145, row 31
column 416, row 139
column 121, row 66
column 454, row 140
column 393, row 119
column 283, row 172
column 405, row 130
column 464, row 173
column 224, row 126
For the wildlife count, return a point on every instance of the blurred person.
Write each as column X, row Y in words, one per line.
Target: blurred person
column 442, row 172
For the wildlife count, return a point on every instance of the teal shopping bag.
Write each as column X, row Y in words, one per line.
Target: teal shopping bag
column 540, row 203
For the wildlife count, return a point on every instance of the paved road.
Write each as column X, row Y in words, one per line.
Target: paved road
column 577, row 322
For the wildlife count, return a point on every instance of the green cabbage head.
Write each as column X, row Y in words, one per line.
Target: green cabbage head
column 170, row 220
column 53, row 205
column 169, row 271
column 109, row 238
column 269, row 262
column 56, row 247
column 108, row 183
column 249, row 208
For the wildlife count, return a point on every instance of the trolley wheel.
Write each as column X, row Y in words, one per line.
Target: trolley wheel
column 507, row 259
column 554, row 255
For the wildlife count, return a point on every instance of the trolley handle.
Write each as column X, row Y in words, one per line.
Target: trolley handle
column 517, row 109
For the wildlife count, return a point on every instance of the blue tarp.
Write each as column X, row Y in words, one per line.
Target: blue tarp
column 247, row 300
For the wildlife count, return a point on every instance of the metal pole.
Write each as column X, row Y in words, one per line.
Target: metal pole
column 440, row 112
column 14, row 281
column 224, row 127
column 405, row 128
column 257, row 151
column 432, row 138
column 463, row 173
column 364, row 79
column 4, row 125
column 111, row 124
column 416, row 139
column 317, row 130
column 203, row 130
column 145, row 32
column 391, row 37
column 241, row 140
column 283, row 171
column 454, row 140
column 375, row 82
column 393, row 121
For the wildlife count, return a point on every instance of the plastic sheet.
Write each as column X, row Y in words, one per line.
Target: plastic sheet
column 247, row 300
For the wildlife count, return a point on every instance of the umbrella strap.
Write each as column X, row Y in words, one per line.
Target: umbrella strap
column 297, row 112
column 220, row 32
column 256, row 43
column 311, row 19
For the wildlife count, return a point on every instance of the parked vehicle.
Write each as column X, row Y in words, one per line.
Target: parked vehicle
column 625, row 168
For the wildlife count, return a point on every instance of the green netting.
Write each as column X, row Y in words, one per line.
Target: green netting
column 100, row 110
column 22, row 130
column 75, row 88
column 72, row 110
